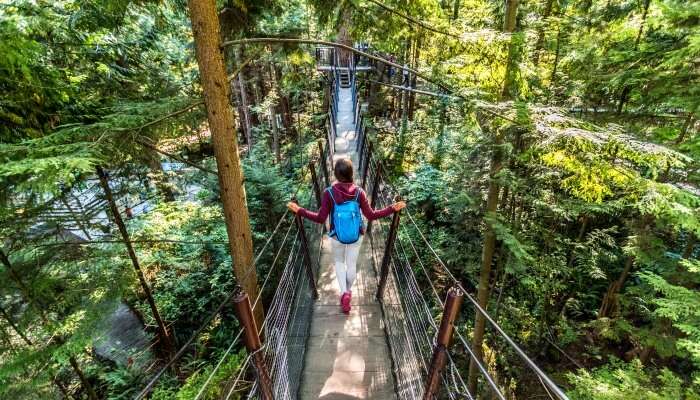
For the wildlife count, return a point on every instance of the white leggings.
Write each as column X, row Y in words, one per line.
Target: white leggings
column 345, row 257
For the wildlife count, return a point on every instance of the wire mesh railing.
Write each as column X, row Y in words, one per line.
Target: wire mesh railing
column 411, row 305
column 405, row 296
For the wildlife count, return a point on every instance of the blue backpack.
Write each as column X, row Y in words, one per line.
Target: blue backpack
column 347, row 219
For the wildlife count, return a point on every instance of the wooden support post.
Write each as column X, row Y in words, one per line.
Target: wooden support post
column 314, row 180
column 444, row 338
column 307, row 254
column 324, row 166
column 251, row 340
column 384, row 271
column 365, row 164
column 375, row 192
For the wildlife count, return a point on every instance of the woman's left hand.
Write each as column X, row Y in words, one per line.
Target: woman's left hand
column 398, row 206
column 293, row 207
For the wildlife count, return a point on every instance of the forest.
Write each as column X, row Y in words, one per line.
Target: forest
column 548, row 151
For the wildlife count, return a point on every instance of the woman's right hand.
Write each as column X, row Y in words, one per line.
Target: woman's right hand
column 293, row 207
column 398, row 206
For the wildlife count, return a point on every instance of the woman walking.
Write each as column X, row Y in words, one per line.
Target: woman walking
column 344, row 201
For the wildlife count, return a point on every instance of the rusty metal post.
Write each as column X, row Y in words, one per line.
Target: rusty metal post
column 314, row 179
column 251, row 340
column 443, row 341
column 324, row 167
column 365, row 164
column 375, row 192
column 386, row 259
column 307, row 254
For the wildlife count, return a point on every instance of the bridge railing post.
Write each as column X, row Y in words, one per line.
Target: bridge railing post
column 324, row 162
column 365, row 164
column 386, row 259
column 360, row 134
column 375, row 192
column 314, row 181
column 306, row 251
column 252, row 342
column 443, row 341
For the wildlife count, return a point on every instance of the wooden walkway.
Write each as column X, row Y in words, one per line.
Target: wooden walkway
column 347, row 357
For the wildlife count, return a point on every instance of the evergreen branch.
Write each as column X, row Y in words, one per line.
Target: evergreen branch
column 175, row 157
column 142, row 241
column 413, row 20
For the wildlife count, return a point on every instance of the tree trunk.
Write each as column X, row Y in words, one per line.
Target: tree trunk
column 42, row 314
column 83, row 380
column 14, row 326
column 509, row 23
column 626, row 89
column 284, row 102
column 274, row 126
column 557, row 52
column 275, row 135
column 78, row 220
column 15, row 276
column 686, row 126
column 245, row 104
column 414, row 80
column 489, row 248
column 539, row 45
column 438, row 154
column 609, row 304
column 164, row 188
column 221, row 121
column 163, row 334
column 689, row 246
column 455, row 10
column 579, row 238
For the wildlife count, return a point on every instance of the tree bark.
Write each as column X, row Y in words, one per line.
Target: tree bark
column 221, row 121
column 686, row 126
column 689, row 246
column 557, row 52
column 539, row 45
column 626, row 89
column 487, row 256
column 83, row 379
column 455, row 10
column 14, row 326
column 609, row 304
column 275, row 135
column 78, row 220
column 284, row 105
column 509, row 23
column 42, row 315
column 164, row 188
column 245, row 105
column 163, row 334
column 414, row 80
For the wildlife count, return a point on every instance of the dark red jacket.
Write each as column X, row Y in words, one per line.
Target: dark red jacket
column 343, row 192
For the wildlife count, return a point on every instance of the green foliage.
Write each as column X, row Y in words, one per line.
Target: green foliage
column 216, row 387
column 629, row 381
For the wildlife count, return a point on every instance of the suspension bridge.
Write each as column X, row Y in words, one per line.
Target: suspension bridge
column 406, row 336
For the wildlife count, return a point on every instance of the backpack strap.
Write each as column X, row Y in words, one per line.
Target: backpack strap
column 330, row 192
column 357, row 193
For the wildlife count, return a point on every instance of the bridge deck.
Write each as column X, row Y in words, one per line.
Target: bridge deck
column 347, row 356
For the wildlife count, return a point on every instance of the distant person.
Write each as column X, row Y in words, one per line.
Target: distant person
column 343, row 201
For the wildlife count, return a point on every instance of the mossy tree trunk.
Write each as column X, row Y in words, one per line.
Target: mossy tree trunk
column 488, row 251
column 205, row 28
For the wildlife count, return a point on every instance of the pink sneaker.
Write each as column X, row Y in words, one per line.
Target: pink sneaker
column 345, row 302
